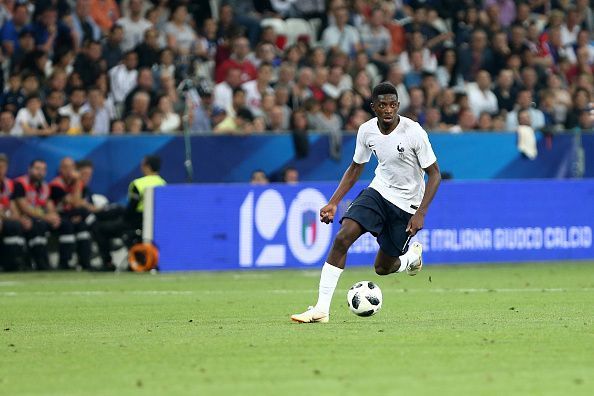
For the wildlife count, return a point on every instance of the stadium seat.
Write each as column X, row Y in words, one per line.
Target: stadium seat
column 296, row 28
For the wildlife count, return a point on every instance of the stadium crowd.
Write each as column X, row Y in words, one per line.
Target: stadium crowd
column 240, row 67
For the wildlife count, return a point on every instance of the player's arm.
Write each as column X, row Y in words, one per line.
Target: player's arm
column 418, row 220
column 350, row 177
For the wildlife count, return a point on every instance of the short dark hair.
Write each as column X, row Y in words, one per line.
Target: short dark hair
column 153, row 162
column 36, row 160
column 84, row 163
column 384, row 88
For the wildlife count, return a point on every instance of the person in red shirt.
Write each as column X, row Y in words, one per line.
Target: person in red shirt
column 31, row 195
column 66, row 193
column 238, row 59
column 12, row 242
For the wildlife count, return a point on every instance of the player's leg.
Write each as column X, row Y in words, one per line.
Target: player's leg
column 37, row 243
column 66, row 242
column 83, row 244
column 393, row 255
column 411, row 261
column 349, row 231
column 12, row 246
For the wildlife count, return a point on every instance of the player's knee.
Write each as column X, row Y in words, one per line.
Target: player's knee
column 382, row 271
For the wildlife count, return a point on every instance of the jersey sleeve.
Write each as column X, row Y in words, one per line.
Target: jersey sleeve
column 425, row 152
column 362, row 150
column 19, row 191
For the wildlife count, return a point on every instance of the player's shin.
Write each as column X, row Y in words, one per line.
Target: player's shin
column 328, row 281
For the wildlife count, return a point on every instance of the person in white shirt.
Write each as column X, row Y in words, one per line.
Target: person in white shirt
column 122, row 78
column 134, row 26
column 75, row 109
column 223, row 91
column 480, row 96
column 342, row 37
column 392, row 208
column 30, row 119
column 255, row 88
column 171, row 120
column 103, row 110
column 524, row 102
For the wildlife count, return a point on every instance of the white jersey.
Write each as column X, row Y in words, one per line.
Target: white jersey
column 402, row 155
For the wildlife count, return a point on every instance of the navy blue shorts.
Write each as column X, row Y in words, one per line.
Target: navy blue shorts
column 384, row 220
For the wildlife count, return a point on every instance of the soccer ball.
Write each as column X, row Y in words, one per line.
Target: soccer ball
column 364, row 298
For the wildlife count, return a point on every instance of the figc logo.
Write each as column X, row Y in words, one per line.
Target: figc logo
column 306, row 239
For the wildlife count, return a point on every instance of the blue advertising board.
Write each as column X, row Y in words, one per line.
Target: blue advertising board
column 221, row 227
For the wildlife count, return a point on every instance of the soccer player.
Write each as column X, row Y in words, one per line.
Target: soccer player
column 394, row 205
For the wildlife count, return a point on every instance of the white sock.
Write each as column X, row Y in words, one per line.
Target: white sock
column 328, row 280
column 405, row 259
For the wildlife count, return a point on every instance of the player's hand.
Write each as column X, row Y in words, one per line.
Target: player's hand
column 415, row 224
column 26, row 223
column 327, row 213
column 53, row 219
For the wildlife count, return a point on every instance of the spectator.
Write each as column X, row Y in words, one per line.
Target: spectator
column 447, row 72
column 118, row 127
column 329, row 122
column 570, row 28
column 148, row 51
column 145, row 83
column 12, row 28
column 341, row 37
column 276, row 119
column 140, row 107
column 290, row 175
column 414, row 75
column 103, row 111
column 396, row 78
column 485, row 122
column 254, row 89
column 581, row 99
column 30, row 119
column 300, row 91
column 416, row 110
column 105, row 13
column 377, row 41
column 466, row 121
column 180, row 34
column 112, row 49
column 171, row 121
column 433, row 120
column 238, row 59
column 360, row 63
column 156, row 119
column 505, row 90
column 52, row 34
column 237, row 124
column 475, row 56
column 418, row 43
column 53, row 102
column 89, row 63
column 134, row 125
column 448, row 107
column 13, row 99
column 299, row 131
column 23, row 52
column 87, row 123
column 258, row 178
column 223, row 91
column 481, row 96
column 7, row 124
column 524, row 102
column 63, row 123
column 346, row 104
column 166, row 64
column 134, row 25
column 84, row 27
column 123, row 77
column 76, row 107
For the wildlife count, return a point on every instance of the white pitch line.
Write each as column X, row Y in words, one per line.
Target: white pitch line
column 278, row 291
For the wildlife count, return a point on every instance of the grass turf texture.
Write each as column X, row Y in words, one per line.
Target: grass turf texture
column 490, row 330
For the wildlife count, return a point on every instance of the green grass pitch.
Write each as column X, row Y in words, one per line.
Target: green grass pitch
column 523, row 329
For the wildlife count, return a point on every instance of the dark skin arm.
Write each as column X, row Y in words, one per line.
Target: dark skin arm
column 350, row 177
column 418, row 220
